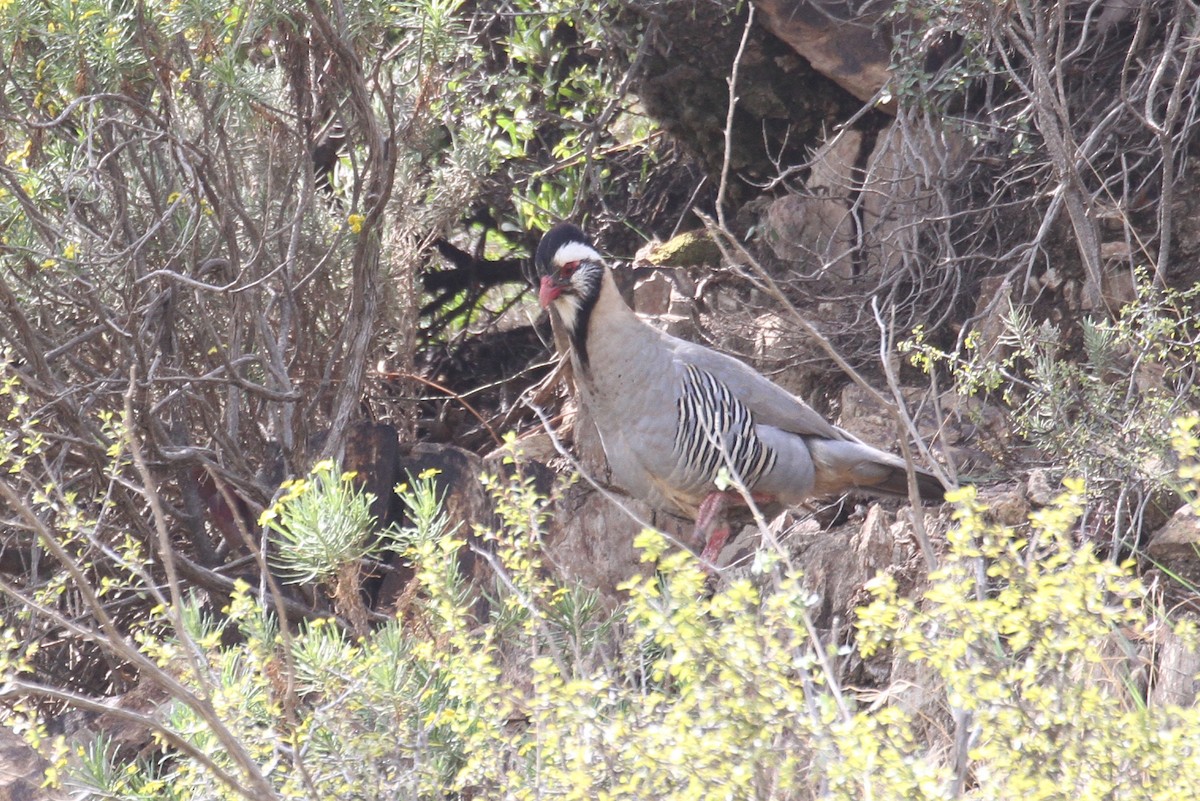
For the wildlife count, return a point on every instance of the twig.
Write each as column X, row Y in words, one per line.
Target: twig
column 763, row 280
column 606, row 493
column 449, row 393
column 15, row 689
column 117, row 643
column 166, row 554
column 733, row 77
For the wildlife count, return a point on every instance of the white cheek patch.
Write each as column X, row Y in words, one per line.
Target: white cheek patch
column 575, row 251
column 568, row 309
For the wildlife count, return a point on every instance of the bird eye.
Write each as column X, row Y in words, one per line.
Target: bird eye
column 568, row 268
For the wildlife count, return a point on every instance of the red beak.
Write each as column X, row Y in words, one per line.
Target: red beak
column 549, row 292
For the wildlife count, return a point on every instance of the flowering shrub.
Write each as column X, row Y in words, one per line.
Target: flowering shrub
column 1025, row 641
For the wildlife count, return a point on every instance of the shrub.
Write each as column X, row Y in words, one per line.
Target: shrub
column 1093, row 400
column 1025, row 639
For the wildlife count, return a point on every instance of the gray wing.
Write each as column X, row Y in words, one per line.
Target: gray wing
column 769, row 403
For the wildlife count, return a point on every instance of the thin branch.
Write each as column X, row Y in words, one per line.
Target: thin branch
column 722, row 191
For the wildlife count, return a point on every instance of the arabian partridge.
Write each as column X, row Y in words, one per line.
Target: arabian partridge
column 673, row 416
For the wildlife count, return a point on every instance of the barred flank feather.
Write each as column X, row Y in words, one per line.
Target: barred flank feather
column 714, row 430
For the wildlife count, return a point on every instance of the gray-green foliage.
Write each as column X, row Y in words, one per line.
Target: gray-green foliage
column 320, row 524
column 171, row 272
column 1103, row 411
column 692, row 695
column 1098, row 403
column 1053, row 191
column 156, row 173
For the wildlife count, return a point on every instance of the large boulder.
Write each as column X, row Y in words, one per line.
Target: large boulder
column 850, row 48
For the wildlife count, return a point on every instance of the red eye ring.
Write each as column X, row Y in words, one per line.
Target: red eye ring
column 568, row 268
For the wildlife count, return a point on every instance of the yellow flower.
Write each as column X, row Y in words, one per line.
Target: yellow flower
column 355, row 221
column 18, row 155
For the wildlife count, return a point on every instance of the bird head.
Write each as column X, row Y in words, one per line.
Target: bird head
column 571, row 271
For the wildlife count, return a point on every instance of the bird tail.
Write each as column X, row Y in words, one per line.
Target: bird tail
column 842, row 464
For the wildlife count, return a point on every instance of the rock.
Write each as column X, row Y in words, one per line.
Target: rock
column 1178, row 540
column 1052, row 279
column 908, row 551
column 842, row 45
column 533, row 446
column 1118, row 251
column 955, row 430
column 862, row 204
column 833, row 570
column 652, row 295
column 464, row 503
column 967, row 461
column 898, row 193
column 837, row 562
column 1120, row 671
column 590, row 537
column 587, row 447
column 1073, row 298
column 372, row 454
column 464, row 500
column 873, row 544
column 22, row 770
column 993, row 305
column 786, row 527
column 1176, row 670
column 862, row 415
column 678, row 325
column 1117, row 286
column 784, row 105
column 788, row 357
column 1008, row 509
column 723, row 319
column 1040, row 489
column 816, row 229
column 689, row 249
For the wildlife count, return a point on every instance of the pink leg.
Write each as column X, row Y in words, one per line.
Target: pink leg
column 716, row 543
column 710, row 513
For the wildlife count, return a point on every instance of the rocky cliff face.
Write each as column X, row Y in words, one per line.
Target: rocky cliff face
column 955, row 208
